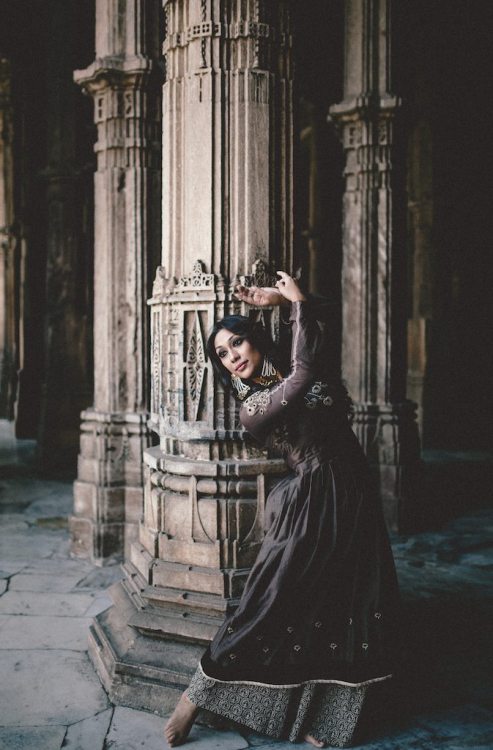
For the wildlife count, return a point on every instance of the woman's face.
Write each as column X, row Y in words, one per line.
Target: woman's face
column 237, row 354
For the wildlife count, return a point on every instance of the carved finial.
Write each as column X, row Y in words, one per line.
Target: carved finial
column 197, row 279
column 160, row 282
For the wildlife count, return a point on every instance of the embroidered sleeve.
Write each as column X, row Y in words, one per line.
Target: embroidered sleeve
column 259, row 411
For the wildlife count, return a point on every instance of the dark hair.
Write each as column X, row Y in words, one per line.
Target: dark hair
column 248, row 329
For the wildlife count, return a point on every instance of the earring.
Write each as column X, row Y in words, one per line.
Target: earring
column 269, row 374
column 241, row 388
column 268, row 369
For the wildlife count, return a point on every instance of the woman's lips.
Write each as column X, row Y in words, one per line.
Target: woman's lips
column 241, row 367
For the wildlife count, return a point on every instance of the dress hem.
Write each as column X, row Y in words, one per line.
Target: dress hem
column 296, row 684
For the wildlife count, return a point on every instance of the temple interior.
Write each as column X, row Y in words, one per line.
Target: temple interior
column 154, row 154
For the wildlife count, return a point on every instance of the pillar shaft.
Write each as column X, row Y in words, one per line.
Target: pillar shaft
column 227, row 169
column 374, row 258
column 8, row 353
column 124, row 82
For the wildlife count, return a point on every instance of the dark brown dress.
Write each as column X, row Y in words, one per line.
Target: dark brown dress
column 316, row 622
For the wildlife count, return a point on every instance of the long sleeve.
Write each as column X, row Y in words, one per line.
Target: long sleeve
column 260, row 411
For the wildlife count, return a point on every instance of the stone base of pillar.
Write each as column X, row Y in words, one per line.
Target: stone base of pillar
column 201, row 529
column 390, row 437
column 400, row 490
column 102, row 543
column 108, row 492
column 136, row 668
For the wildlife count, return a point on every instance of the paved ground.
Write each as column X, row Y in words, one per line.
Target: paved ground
column 50, row 697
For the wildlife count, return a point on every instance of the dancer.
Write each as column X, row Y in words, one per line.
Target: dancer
column 315, row 627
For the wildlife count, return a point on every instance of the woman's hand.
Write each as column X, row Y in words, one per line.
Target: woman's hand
column 261, row 296
column 289, row 288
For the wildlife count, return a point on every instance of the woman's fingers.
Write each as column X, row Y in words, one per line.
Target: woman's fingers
column 258, row 295
column 283, row 282
column 288, row 287
column 245, row 293
column 285, row 277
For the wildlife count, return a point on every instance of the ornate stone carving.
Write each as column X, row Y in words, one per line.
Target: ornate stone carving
column 195, row 369
column 161, row 284
column 261, row 275
column 156, row 355
column 197, row 279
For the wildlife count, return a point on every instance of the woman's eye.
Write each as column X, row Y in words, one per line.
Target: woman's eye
column 221, row 355
column 237, row 342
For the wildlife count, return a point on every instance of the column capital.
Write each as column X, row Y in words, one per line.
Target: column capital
column 136, row 71
column 364, row 107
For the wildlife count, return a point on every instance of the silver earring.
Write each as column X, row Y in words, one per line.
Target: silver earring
column 268, row 369
column 240, row 387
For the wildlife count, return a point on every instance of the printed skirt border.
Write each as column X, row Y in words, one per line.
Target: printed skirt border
column 329, row 711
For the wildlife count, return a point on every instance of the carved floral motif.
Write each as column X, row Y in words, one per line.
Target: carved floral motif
column 195, row 368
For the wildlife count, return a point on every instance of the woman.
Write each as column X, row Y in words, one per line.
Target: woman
column 316, row 622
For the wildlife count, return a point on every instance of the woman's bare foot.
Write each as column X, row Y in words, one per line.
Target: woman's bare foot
column 313, row 741
column 181, row 721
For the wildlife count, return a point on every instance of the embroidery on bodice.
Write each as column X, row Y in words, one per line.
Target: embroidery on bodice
column 258, row 402
column 318, row 395
column 280, row 439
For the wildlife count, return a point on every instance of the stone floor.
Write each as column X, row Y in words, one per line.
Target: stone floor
column 50, row 697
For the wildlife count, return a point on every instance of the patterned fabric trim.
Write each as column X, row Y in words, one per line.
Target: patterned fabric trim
column 330, row 713
column 297, row 684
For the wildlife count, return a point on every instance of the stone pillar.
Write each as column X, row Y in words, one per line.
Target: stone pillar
column 227, row 169
column 8, row 355
column 124, row 82
column 420, row 253
column 374, row 258
column 421, row 218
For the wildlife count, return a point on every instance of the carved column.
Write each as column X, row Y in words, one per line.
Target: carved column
column 374, row 258
column 226, row 216
column 421, row 219
column 420, row 253
column 124, row 82
column 8, row 355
